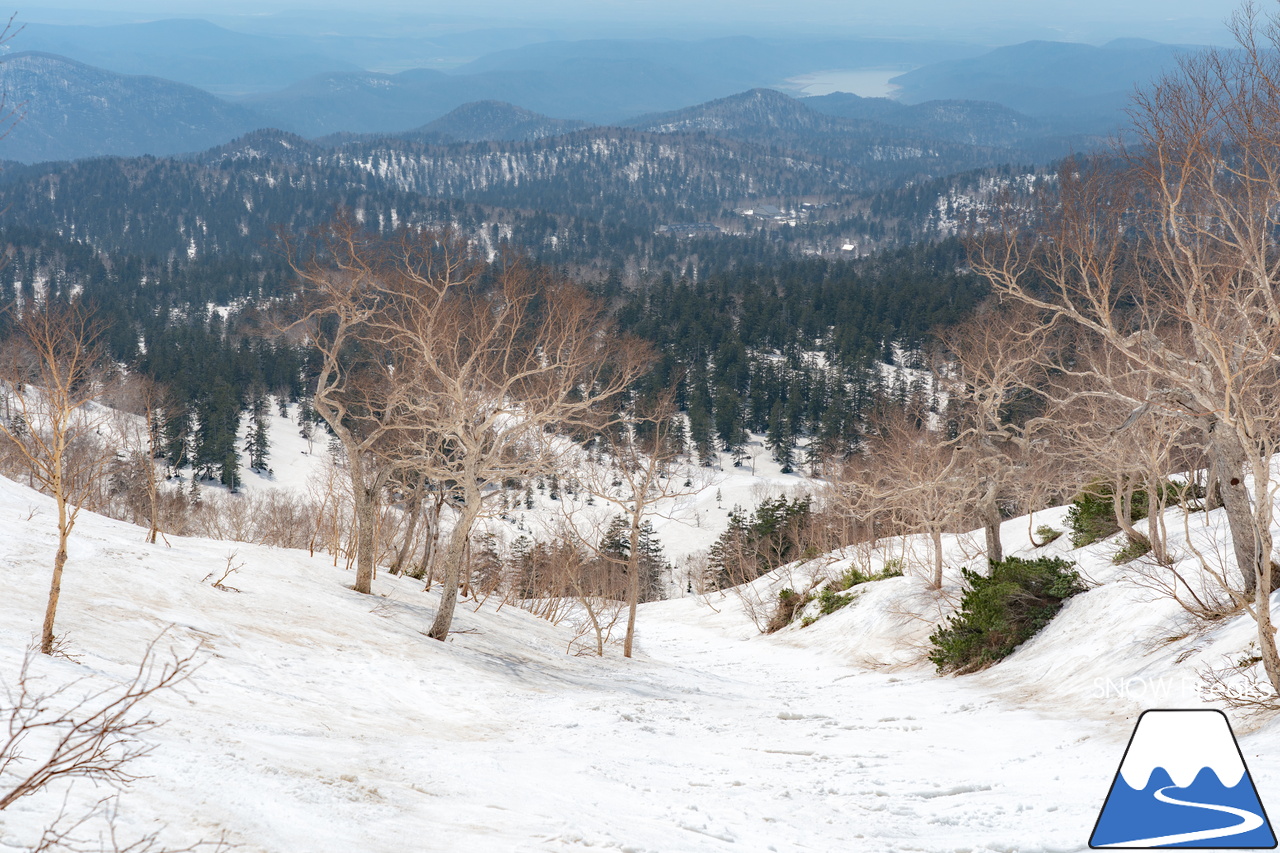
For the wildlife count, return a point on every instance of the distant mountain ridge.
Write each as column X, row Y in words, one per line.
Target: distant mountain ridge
column 862, row 130
column 1060, row 81
column 74, row 110
column 1029, row 102
column 974, row 122
column 494, row 121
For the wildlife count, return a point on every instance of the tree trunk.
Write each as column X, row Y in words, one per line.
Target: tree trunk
column 1267, row 631
column 633, row 587
column 1156, row 532
column 937, row 558
column 991, row 526
column 1212, row 496
column 415, row 505
column 153, row 487
column 1226, row 464
column 363, row 498
column 1122, row 506
column 55, row 588
column 427, row 568
column 452, row 568
column 155, row 515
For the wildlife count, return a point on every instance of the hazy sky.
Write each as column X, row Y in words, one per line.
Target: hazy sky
column 986, row 20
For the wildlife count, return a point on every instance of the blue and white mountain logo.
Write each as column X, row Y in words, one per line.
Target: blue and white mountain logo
column 1183, row 783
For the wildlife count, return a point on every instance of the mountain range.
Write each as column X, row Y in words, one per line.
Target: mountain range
column 72, row 110
column 1071, row 85
column 1037, row 99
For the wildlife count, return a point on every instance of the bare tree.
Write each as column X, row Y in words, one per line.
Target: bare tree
column 437, row 364
column 96, row 737
column 141, row 408
column 640, row 467
column 50, row 735
column 993, row 380
column 48, row 381
column 1168, row 258
column 499, row 373
column 346, row 302
column 911, row 479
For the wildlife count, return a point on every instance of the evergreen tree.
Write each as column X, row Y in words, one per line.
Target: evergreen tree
column 781, row 440
column 615, row 546
column 258, row 444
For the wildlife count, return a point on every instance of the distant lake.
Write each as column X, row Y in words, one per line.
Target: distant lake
column 866, row 82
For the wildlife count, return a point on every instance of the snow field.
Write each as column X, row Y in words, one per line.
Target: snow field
column 322, row 720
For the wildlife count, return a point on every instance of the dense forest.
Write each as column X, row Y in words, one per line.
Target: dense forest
column 776, row 324
column 773, row 344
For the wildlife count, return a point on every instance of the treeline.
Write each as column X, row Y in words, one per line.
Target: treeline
column 195, row 327
column 754, row 341
column 577, row 207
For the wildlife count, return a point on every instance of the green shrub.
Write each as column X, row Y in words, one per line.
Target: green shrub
column 830, row 598
column 829, row 601
column 1132, row 550
column 790, row 603
column 855, row 576
column 1092, row 516
column 1002, row 610
column 1047, row 534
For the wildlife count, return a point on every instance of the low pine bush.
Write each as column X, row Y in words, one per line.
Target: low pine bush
column 1002, row 610
column 833, row 596
column 1047, row 534
column 1132, row 550
column 829, row 601
column 790, row 603
column 1092, row 516
column 854, row 576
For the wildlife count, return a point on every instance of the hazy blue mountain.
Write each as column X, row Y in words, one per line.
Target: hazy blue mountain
column 74, row 110
column 358, row 102
column 758, row 110
column 972, row 122
column 592, row 90
column 599, row 81
column 939, row 136
column 188, row 51
column 494, row 121
column 1058, row 80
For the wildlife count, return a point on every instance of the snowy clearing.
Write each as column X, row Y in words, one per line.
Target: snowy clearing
column 322, row 720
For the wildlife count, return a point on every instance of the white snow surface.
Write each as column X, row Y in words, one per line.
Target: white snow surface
column 324, row 720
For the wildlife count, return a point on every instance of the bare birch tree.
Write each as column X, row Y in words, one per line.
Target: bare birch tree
column 498, row 373
column 345, row 300
column 437, row 364
column 141, row 408
column 49, row 383
column 991, row 381
column 912, row 480
column 640, row 467
column 1168, row 258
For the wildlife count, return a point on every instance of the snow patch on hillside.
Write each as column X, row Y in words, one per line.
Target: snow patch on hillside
column 323, row 720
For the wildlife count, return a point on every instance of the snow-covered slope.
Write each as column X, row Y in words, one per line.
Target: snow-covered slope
column 686, row 525
column 322, row 720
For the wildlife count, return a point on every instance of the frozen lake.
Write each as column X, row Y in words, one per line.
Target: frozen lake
column 866, row 82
